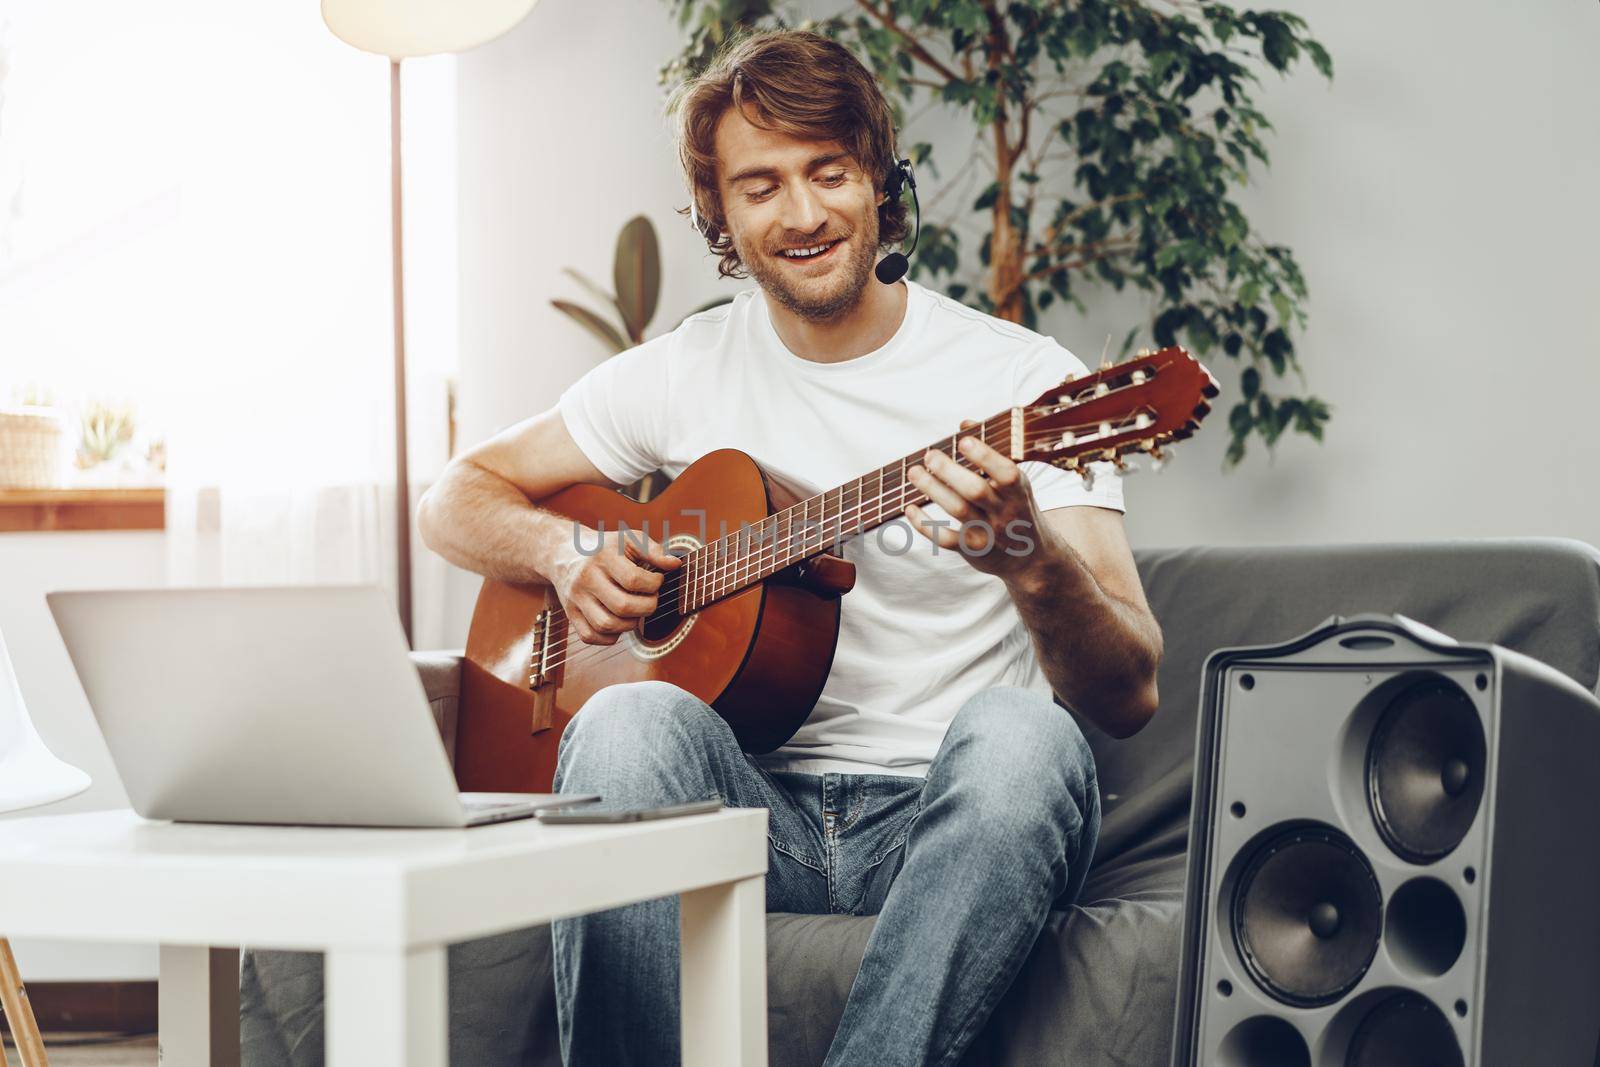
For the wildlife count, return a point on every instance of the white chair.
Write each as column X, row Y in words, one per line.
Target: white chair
column 30, row 775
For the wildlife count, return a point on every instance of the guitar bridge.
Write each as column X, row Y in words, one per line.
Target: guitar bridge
column 539, row 668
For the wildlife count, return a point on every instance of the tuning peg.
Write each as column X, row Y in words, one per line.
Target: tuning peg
column 1086, row 472
column 1124, row 467
column 1158, row 457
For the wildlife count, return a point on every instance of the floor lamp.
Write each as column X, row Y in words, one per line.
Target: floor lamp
column 30, row 775
column 400, row 29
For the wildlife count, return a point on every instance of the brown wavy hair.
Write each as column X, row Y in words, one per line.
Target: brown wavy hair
column 798, row 83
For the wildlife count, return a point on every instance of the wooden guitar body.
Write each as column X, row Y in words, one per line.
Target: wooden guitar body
column 759, row 656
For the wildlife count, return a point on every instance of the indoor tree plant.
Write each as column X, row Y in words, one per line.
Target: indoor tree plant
column 1114, row 136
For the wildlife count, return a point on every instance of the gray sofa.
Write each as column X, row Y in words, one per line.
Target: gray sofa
column 1099, row 987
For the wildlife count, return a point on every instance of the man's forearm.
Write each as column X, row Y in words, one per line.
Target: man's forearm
column 1099, row 653
column 484, row 524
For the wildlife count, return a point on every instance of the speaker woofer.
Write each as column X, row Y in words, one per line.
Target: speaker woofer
column 1264, row 1041
column 1405, row 1029
column 1425, row 770
column 1306, row 915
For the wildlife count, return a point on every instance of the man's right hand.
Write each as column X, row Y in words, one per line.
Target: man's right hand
column 607, row 591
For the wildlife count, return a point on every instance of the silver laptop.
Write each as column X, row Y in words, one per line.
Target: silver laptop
column 268, row 705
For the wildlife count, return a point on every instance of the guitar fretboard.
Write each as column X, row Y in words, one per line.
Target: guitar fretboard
column 817, row 524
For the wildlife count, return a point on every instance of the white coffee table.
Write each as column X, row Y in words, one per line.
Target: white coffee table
column 384, row 904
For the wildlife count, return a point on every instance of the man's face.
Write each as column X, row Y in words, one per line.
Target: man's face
column 802, row 215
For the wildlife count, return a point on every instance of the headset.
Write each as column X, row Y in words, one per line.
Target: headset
column 893, row 266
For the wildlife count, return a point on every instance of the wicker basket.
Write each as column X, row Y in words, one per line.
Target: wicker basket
column 32, row 455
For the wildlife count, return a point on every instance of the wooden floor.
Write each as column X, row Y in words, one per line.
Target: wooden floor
column 88, row 1050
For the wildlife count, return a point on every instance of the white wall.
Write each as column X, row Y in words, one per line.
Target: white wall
column 1438, row 196
column 562, row 140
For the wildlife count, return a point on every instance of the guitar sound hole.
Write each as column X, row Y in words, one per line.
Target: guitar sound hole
column 659, row 626
column 666, row 618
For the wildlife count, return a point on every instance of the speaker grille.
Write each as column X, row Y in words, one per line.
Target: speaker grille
column 1425, row 770
column 1306, row 915
column 1405, row 1029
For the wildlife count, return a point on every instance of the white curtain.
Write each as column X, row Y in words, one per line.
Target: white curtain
column 201, row 226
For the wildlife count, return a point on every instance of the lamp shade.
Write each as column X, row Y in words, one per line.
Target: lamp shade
column 403, row 28
column 29, row 774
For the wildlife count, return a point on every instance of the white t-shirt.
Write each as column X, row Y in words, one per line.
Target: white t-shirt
column 923, row 630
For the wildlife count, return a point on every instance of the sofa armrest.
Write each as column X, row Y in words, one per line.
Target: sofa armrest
column 441, row 681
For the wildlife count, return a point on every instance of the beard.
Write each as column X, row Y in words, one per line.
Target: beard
column 823, row 299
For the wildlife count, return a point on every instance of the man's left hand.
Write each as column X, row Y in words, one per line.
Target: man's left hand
column 997, row 524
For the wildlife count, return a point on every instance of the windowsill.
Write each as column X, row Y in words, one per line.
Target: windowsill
column 40, row 510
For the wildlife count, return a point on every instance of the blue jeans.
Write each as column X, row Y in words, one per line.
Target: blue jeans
column 961, row 869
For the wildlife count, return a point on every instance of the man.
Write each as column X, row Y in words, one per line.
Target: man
column 936, row 784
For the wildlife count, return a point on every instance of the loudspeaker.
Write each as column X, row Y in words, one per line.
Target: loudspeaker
column 1394, row 856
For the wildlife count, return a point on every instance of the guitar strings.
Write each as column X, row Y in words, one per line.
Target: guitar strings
column 666, row 594
column 721, row 570
column 846, row 518
column 906, row 491
column 591, row 654
column 739, row 539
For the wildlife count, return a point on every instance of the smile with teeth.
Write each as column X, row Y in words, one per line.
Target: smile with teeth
column 806, row 253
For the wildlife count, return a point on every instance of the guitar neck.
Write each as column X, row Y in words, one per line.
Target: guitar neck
column 742, row 558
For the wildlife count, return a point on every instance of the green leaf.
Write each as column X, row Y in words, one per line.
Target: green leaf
column 637, row 273
column 1127, row 342
column 596, row 290
column 1250, row 383
column 1280, row 303
column 1277, row 348
column 607, row 333
column 1319, row 56
column 1239, row 419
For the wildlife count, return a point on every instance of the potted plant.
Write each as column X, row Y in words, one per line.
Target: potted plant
column 636, row 275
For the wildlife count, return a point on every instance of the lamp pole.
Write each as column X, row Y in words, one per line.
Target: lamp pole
column 402, row 480
column 396, row 29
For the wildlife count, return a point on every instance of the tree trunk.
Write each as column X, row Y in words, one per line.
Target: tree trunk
column 1005, row 247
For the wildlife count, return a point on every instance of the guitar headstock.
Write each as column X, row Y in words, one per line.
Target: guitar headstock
column 1139, row 405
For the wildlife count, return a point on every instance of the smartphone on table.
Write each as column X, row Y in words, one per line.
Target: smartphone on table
column 586, row 815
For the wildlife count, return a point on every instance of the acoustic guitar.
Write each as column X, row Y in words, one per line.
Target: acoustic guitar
column 749, row 622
